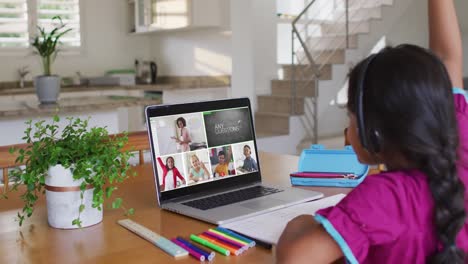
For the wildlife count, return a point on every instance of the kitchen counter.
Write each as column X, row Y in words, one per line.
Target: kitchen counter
column 32, row 109
column 165, row 83
column 68, row 89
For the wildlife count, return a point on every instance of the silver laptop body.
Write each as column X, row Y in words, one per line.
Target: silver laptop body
column 219, row 134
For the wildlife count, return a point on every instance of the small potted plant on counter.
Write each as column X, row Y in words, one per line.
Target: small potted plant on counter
column 76, row 168
column 46, row 45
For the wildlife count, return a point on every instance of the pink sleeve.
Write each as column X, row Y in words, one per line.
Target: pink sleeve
column 365, row 217
column 461, row 107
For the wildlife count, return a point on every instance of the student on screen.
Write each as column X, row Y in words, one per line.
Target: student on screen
column 198, row 170
column 249, row 163
column 170, row 174
column 222, row 169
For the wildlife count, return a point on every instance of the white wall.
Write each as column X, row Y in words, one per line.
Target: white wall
column 195, row 52
column 192, row 52
column 254, row 65
column 412, row 27
column 244, row 47
column 265, row 43
column 106, row 44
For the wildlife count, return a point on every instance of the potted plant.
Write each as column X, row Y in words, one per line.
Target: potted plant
column 46, row 45
column 76, row 169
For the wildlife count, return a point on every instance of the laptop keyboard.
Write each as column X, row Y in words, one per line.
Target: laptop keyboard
column 231, row 197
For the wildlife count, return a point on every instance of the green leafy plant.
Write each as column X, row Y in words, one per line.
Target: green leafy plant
column 91, row 154
column 46, row 43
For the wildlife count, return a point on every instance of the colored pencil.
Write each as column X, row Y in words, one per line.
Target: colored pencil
column 226, row 240
column 234, row 250
column 208, row 255
column 210, row 245
column 229, row 237
column 229, row 232
column 192, row 252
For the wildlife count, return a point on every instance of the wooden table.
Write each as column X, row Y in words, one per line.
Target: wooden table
column 107, row 242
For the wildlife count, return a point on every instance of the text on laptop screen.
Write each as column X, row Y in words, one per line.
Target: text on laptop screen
column 201, row 147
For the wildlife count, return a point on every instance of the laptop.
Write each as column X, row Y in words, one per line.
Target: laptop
column 205, row 162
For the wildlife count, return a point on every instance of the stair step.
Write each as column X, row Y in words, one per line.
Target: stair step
column 284, row 88
column 339, row 28
column 306, row 72
column 363, row 3
column 357, row 15
column 322, row 57
column 279, row 104
column 329, row 56
column 271, row 124
column 332, row 42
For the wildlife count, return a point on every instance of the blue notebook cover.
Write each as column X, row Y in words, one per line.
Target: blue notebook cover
column 319, row 159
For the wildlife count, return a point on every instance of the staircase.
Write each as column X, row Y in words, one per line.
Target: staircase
column 326, row 32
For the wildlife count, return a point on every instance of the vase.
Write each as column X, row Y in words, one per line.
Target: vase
column 64, row 199
column 47, row 88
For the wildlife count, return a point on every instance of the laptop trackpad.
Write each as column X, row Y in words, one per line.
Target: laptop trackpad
column 262, row 204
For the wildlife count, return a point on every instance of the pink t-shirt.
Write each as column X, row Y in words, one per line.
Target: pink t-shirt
column 388, row 218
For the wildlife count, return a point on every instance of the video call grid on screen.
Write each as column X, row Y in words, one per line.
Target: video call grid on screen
column 210, row 132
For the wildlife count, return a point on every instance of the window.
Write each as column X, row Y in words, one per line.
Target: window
column 13, row 23
column 16, row 32
column 68, row 10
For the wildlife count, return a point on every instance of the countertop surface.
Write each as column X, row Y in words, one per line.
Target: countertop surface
column 66, row 89
column 31, row 108
column 164, row 83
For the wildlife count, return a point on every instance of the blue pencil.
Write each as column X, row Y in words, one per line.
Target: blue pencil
column 208, row 255
column 235, row 235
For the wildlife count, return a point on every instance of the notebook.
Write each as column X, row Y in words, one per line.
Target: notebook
column 269, row 226
column 206, row 165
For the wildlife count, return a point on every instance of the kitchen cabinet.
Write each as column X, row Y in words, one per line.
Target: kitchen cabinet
column 166, row 15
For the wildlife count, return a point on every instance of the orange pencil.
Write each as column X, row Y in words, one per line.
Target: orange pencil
column 236, row 251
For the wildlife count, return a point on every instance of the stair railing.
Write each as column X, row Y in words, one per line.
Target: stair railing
column 315, row 70
column 307, row 65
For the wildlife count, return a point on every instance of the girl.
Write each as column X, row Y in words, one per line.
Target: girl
column 170, row 172
column 184, row 138
column 198, row 170
column 403, row 114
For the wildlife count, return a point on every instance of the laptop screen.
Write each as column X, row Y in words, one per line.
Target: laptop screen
column 197, row 148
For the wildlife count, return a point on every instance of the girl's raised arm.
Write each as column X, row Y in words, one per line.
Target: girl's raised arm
column 445, row 39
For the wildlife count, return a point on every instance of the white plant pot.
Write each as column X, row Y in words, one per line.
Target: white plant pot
column 47, row 88
column 63, row 200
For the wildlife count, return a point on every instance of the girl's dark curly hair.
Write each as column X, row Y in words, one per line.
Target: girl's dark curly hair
column 408, row 99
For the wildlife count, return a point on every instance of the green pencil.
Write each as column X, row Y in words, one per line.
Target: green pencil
column 210, row 245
